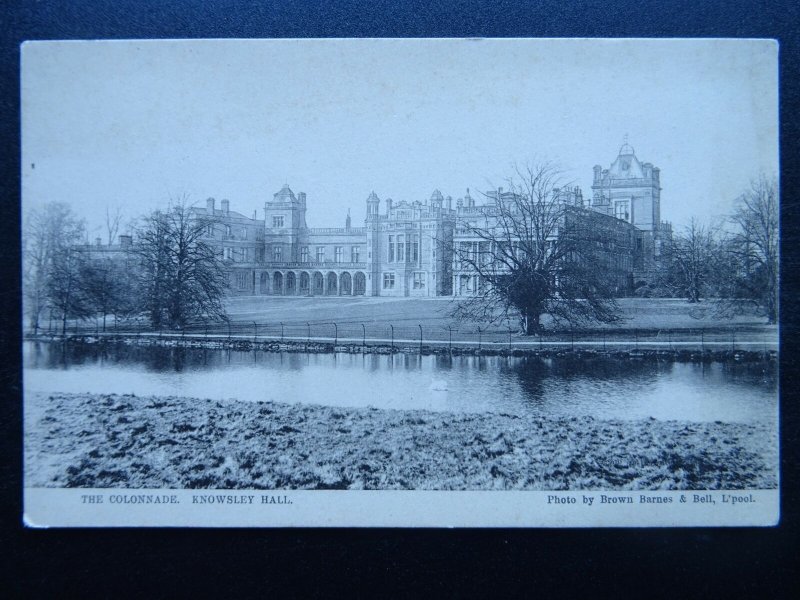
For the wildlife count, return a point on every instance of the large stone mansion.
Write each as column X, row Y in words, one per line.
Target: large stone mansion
column 404, row 248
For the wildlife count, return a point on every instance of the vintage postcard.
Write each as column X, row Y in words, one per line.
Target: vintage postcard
column 400, row 282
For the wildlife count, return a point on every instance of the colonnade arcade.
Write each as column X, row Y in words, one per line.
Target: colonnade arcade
column 312, row 283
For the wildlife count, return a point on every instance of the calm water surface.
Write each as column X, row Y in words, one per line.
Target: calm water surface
column 604, row 388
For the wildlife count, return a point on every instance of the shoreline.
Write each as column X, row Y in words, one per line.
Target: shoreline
column 126, row 441
column 319, row 347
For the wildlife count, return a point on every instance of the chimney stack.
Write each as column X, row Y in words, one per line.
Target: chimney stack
column 210, row 206
column 98, row 242
column 225, row 207
column 301, row 196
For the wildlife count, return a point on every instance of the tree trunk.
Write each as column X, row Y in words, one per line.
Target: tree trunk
column 532, row 324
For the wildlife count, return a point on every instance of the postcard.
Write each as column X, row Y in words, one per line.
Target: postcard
column 400, row 282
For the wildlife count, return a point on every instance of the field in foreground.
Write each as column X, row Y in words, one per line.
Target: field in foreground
column 85, row 440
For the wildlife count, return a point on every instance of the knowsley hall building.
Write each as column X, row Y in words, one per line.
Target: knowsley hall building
column 405, row 248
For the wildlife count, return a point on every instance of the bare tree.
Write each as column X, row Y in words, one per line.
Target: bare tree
column 532, row 251
column 181, row 276
column 113, row 223
column 66, row 295
column 755, row 244
column 106, row 284
column 49, row 234
column 692, row 259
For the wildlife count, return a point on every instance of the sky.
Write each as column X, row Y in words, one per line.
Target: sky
column 132, row 124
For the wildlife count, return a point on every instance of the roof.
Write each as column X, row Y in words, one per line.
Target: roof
column 626, row 166
column 436, row 196
column 373, row 197
column 285, row 194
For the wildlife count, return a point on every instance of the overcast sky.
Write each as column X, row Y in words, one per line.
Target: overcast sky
column 132, row 124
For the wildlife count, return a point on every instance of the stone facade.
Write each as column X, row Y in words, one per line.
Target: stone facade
column 405, row 248
column 630, row 191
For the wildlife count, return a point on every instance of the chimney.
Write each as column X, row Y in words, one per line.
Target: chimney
column 98, row 242
column 597, row 170
column 347, row 221
column 225, row 207
column 301, row 196
column 449, row 203
column 125, row 240
column 210, row 206
column 388, row 204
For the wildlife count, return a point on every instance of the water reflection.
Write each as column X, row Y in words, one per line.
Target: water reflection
column 565, row 386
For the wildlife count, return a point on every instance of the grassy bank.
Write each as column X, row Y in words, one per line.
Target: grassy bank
column 83, row 440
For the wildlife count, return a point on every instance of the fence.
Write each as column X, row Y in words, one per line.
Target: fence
column 428, row 335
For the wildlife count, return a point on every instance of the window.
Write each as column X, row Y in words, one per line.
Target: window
column 337, row 254
column 391, row 248
column 228, row 253
column 401, row 251
column 210, row 230
column 320, row 254
column 243, row 233
column 245, row 254
column 415, row 250
column 277, row 221
column 419, row 281
column 355, row 254
column 276, row 253
column 304, row 254
column 388, row 281
column 621, row 210
column 242, row 280
column 260, row 255
column 227, row 231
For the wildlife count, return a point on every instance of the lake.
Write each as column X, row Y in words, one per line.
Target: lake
column 565, row 386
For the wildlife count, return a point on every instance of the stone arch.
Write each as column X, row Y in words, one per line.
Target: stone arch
column 277, row 283
column 291, row 283
column 317, row 284
column 263, row 283
column 359, row 284
column 304, row 287
column 346, row 284
column 331, row 284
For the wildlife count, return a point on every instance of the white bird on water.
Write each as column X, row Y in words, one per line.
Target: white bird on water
column 438, row 385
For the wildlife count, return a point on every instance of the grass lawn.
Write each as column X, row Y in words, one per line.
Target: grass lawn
column 637, row 313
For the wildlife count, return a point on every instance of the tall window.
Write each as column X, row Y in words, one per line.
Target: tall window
column 320, row 254
column 337, row 254
column 355, row 254
column 243, row 233
column 415, row 250
column 419, row 281
column 228, row 253
column 260, row 255
column 621, row 210
column 391, row 248
column 277, row 221
column 276, row 253
column 227, row 231
column 401, row 249
column 210, row 230
column 242, row 280
column 304, row 254
column 388, row 281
